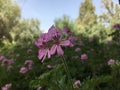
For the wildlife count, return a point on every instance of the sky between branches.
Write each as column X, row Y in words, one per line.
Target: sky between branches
column 48, row 10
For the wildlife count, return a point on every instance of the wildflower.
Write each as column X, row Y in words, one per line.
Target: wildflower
column 76, row 83
column 90, row 39
column 4, row 88
column 84, row 57
column 30, row 64
column 116, row 26
column 9, row 68
column 72, row 38
column 39, row 88
column 50, row 66
column 1, row 58
column 51, row 42
column 66, row 30
column 57, row 47
column 10, row 61
column 23, row 70
column 43, row 44
column 111, row 61
column 29, row 50
column 81, row 43
column 38, row 43
column 77, row 49
column 43, row 53
column 4, row 61
column 7, row 86
column 56, row 36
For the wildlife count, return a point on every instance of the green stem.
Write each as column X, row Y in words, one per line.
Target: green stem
column 67, row 71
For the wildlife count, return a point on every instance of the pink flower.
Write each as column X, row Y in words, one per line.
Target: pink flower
column 67, row 31
column 77, row 49
column 7, row 86
column 44, row 46
column 23, row 70
column 43, row 53
column 4, row 61
column 29, row 50
column 70, row 37
column 56, row 36
column 10, row 61
column 90, row 39
column 81, row 43
column 4, row 88
column 73, row 38
column 9, row 68
column 38, row 43
column 1, row 58
column 39, row 88
column 51, row 42
column 50, row 66
column 84, row 56
column 111, row 61
column 57, row 47
column 30, row 64
column 76, row 83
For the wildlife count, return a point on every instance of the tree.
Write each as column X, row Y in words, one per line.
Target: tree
column 9, row 16
column 26, row 30
column 86, row 13
column 111, row 14
column 88, row 23
column 64, row 22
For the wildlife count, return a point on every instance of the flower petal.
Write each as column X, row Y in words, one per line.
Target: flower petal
column 41, row 53
column 65, row 43
column 53, row 49
column 71, row 45
column 59, row 51
column 49, row 54
column 44, row 56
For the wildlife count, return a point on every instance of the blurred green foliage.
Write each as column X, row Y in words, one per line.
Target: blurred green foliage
column 9, row 16
column 13, row 29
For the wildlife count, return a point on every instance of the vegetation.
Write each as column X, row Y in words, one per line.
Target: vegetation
column 90, row 54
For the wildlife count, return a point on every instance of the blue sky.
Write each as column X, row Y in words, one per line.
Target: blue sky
column 48, row 10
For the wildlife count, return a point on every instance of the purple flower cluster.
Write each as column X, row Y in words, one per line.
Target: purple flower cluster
column 29, row 64
column 110, row 62
column 51, row 42
column 6, row 61
column 23, row 70
column 116, row 26
column 84, row 56
column 7, row 86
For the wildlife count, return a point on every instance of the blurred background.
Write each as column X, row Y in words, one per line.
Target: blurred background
column 24, row 20
column 93, row 61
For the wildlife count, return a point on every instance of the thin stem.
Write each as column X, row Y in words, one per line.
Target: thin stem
column 67, row 71
column 58, row 84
